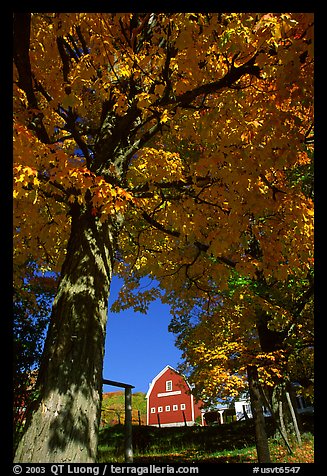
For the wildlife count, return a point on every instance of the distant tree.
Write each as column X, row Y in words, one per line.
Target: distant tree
column 31, row 314
column 252, row 325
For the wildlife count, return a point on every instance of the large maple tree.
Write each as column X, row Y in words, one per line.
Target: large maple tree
column 150, row 144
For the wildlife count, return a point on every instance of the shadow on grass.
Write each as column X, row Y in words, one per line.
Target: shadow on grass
column 178, row 444
column 228, row 443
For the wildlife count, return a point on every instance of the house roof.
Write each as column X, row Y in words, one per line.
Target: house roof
column 151, row 385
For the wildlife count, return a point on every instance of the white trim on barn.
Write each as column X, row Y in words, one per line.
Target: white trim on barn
column 165, row 394
column 192, row 407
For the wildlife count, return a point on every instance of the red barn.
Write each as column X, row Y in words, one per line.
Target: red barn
column 170, row 401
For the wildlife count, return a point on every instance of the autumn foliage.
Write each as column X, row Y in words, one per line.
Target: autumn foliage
column 188, row 136
column 245, row 139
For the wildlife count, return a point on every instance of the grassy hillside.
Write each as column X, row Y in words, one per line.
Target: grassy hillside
column 113, row 408
column 229, row 443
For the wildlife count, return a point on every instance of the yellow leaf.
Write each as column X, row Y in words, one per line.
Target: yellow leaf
column 69, row 101
column 165, row 117
column 159, row 89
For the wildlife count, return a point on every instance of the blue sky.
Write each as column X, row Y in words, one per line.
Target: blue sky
column 138, row 346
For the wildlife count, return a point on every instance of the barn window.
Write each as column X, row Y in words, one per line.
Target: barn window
column 182, row 406
column 159, row 409
column 169, row 385
column 153, row 409
column 167, row 408
column 175, row 407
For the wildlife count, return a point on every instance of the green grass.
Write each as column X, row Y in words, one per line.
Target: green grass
column 229, row 443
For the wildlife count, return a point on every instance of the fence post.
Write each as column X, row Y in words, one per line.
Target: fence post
column 128, row 417
column 128, row 425
column 184, row 418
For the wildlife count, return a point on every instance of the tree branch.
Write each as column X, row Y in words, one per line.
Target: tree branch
column 233, row 75
column 140, row 143
column 21, row 45
column 22, row 24
column 272, row 187
column 177, row 234
column 71, row 127
column 303, row 300
column 64, row 58
column 159, row 226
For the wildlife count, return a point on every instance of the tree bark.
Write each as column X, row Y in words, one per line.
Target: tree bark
column 258, row 417
column 63, row 425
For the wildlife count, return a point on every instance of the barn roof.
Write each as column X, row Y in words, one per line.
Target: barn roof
column 151, row 385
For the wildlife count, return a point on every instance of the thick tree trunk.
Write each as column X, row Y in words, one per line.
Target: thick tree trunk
column 64, row 424
column 258, row 417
